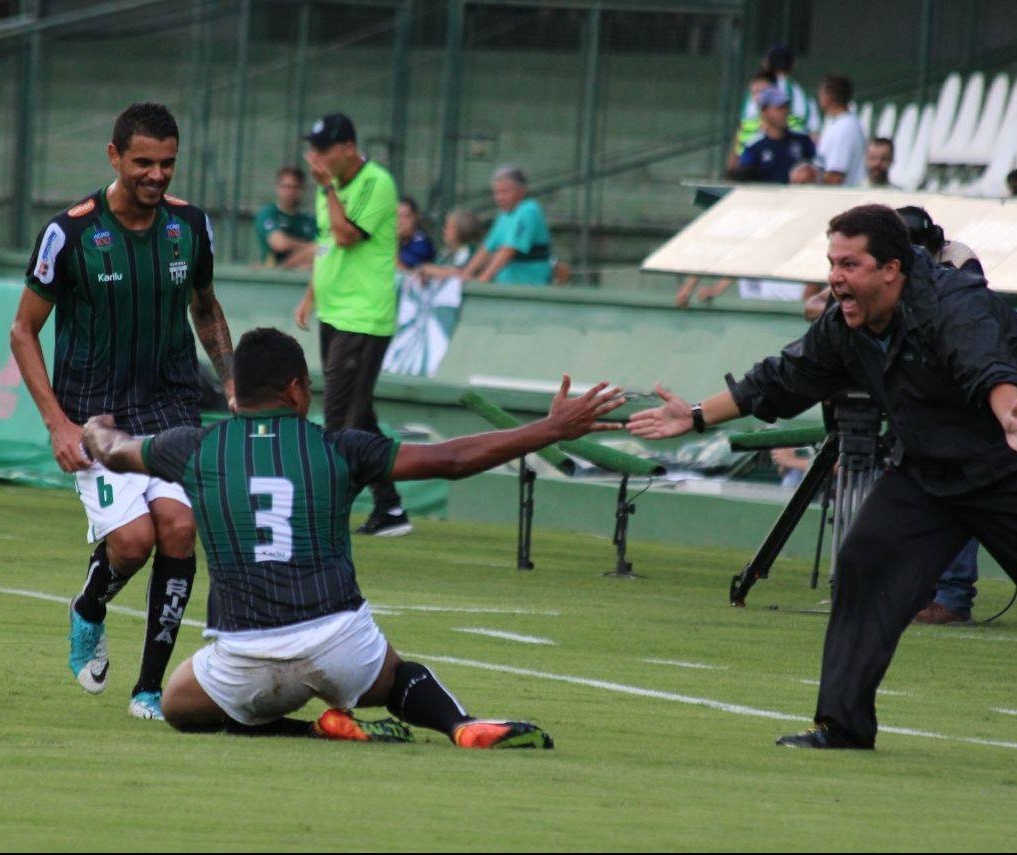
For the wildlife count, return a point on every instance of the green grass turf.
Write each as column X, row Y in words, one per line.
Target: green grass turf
column 630, row 771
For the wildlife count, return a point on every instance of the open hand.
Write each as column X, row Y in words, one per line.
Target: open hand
column 576, row 417
column 672, row 418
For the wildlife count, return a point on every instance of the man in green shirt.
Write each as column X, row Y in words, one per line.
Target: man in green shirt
column 286, row 235
column 352, row 289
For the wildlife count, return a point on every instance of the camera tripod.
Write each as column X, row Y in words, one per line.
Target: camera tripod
column 853, row 441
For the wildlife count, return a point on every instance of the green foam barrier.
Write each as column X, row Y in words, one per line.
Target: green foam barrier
column 783, row 438
column 601, row 455
column 494, row 414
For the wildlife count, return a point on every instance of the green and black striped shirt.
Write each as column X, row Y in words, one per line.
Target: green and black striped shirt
column 123, row 342
column 271, row 494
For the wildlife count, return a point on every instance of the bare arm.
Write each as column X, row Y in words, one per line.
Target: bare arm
column 568, row 418
column 279, row 241
column 674, row 417
column 476, row 263
column 214, row 335
column 64, row 435
column 114, row 449
column 833, row 178
column 502, row 256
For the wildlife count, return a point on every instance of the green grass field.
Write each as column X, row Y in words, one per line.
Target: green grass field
column 664, row 703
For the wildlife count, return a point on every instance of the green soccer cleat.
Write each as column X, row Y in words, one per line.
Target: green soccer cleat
column 339, row 724
column 487, row 733
column 88, row 660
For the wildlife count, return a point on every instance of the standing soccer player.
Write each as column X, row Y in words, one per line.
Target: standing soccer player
column 121, row 267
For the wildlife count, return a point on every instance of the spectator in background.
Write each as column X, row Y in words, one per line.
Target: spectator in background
column 803, row 116
column 878, row 160
column 415, row 247
column 841, row 146
column 771, row 157
column 1011, row 182
column 517, row 248
column 460, row 234
column 285, row 234
column 749, row 127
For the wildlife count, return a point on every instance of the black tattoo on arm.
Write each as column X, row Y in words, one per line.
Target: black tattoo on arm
column 214, row 334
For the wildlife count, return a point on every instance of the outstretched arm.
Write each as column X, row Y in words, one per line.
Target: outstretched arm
column 674, row 416
column 114, row 449
column 569, row 418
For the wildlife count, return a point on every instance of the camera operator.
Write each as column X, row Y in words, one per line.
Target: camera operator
column 900, row 329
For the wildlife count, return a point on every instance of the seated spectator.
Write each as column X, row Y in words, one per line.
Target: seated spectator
column 878, row 160
column 517, row 248
column 285, row 235
column 748, row 130
column 415, row 247
column 771, row 157
column 460, row 234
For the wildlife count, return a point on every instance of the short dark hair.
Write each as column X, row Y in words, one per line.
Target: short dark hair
column 884, row 229
column 779, row 58
column 765, row 74
column 883, row 141
column 294, row 171
column 839, row 88
column 265, row 362
column 147, row 119
column 410, row 203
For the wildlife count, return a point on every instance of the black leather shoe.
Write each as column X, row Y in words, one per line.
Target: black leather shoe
column 820, row 736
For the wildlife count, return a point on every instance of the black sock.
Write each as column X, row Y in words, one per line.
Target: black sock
column 279, row 727
column 419, row 699
column 101, row 585
column 168, row 592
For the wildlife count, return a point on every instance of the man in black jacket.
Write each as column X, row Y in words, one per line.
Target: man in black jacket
column 936, row 350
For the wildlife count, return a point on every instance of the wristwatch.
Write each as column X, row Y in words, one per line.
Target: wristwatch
column 698, row 423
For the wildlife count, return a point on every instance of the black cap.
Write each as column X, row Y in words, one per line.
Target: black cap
column 333, row 128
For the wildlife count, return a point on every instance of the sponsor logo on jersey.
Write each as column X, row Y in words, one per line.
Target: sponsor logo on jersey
column 106, row 278
column 85, row 207
column 49, row 248
column 262, row 432
column 103, row 239
column 173, row 231
column 178, row 272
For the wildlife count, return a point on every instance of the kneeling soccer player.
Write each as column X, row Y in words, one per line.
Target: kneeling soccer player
column 272, row 494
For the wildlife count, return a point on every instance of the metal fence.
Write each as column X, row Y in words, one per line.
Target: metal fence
column 612, row 106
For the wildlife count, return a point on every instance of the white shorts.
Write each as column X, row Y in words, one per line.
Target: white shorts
column 113, row 499
column 258, row 676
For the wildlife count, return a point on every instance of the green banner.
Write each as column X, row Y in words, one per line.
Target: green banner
column 25, row 453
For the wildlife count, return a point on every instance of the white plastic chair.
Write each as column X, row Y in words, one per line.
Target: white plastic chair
column 979, row 150
column 865, row 117
column 946, row 112
column 909, row 173
column 887, row 121
column 963, row 130
column 993, row 181
column 904, row 136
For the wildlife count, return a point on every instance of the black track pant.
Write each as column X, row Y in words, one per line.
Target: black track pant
column 897, row 547
column 351, row 363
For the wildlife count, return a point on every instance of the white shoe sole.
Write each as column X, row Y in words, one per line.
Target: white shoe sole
column 395, row 531
column 141, row 711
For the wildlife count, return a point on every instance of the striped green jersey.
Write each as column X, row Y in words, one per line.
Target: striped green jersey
column 271, row 494
column 123, row 344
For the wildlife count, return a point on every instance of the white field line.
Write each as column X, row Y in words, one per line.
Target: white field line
column 678, row 663
column 951, row 633
column 1004, row 711
column 737, row 709
column 507, row 636
column 878, row 691
column 621, row 688
column 469, row 610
